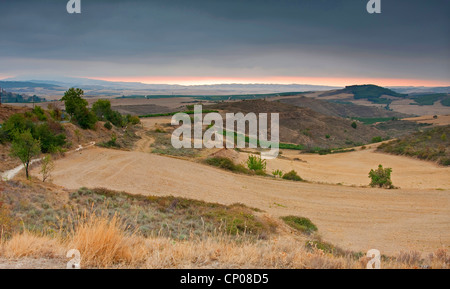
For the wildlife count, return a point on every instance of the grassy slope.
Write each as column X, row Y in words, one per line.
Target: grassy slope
column 35, row 207
column 106, row 240
column 431, row 144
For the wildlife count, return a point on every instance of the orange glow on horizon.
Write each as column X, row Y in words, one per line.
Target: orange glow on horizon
column 276, row 80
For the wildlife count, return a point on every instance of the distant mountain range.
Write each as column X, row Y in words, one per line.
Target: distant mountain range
column 57, row 85
column 93, row 84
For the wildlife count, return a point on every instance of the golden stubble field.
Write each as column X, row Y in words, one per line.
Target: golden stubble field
column 414, row 217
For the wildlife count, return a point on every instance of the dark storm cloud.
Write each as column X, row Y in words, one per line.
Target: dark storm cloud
column 273, row 37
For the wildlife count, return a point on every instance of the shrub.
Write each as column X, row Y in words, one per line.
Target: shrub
column 354, row 125
column 134, row 120
column 47, row 167
column 39, row 112
column 377, row 139
column 3, row 136
column 445, row 161
column 301, row 224
column 227, row 164
column 50, row 141
column 292, row 176
column 277, row 173
column 102, row 108
column 381, row 178
column 115, row 118
column 327, row 136
column 256, row 164
column 85, row 118
column 108, row 125
column 17, row 123
column 54, row 111
column 112, row 143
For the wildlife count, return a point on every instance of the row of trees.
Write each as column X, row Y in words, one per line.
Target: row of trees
column 77, row 108
column 39, row 131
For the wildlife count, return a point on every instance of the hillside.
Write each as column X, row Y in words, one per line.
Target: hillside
column 431, row 144
column 373, row 93
column 431, row 99
column 299, row 125
column 120, row 230
column 341, row 109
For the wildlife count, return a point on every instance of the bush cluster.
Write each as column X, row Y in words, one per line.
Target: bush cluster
column 381, row 178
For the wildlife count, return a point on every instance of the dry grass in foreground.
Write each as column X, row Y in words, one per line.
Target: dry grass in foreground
column 104, row 242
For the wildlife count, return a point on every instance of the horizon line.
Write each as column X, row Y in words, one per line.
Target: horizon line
column 211, row 81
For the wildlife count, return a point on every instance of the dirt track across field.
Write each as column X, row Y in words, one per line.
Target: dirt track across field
column 351, row 217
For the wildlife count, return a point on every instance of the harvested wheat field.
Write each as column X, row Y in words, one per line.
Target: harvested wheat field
column 352, row 168
column 440, row 120
column 354, row 218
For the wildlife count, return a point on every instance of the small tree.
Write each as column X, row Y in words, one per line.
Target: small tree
column 25, row 147
column 47, row 167
column 354, row 125
column 102, row 108
column 78, row 135
column 381, row 178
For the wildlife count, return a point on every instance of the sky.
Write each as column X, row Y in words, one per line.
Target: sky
column 321, row 42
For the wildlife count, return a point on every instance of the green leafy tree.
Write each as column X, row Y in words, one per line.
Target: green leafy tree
column 50, row 141
column 25, row 147
column 85, row 118
column 73, row 100
column 102, row 109
column 17, row 123
column 115, row 118
column 381, row 177
column 77, row 108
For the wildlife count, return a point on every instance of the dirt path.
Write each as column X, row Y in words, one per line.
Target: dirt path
column 353, row 218
column 143, row 145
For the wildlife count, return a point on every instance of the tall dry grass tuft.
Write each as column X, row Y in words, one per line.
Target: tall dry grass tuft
column 103, row 242
column 411, row 258
column 31, row 245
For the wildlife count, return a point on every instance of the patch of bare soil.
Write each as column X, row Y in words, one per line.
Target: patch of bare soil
column 226, row 153
column 6, row 161
column 7, row 110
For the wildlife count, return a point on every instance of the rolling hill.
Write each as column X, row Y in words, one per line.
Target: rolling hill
column 301, row 125
column 373, row 93
column 341, row 109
